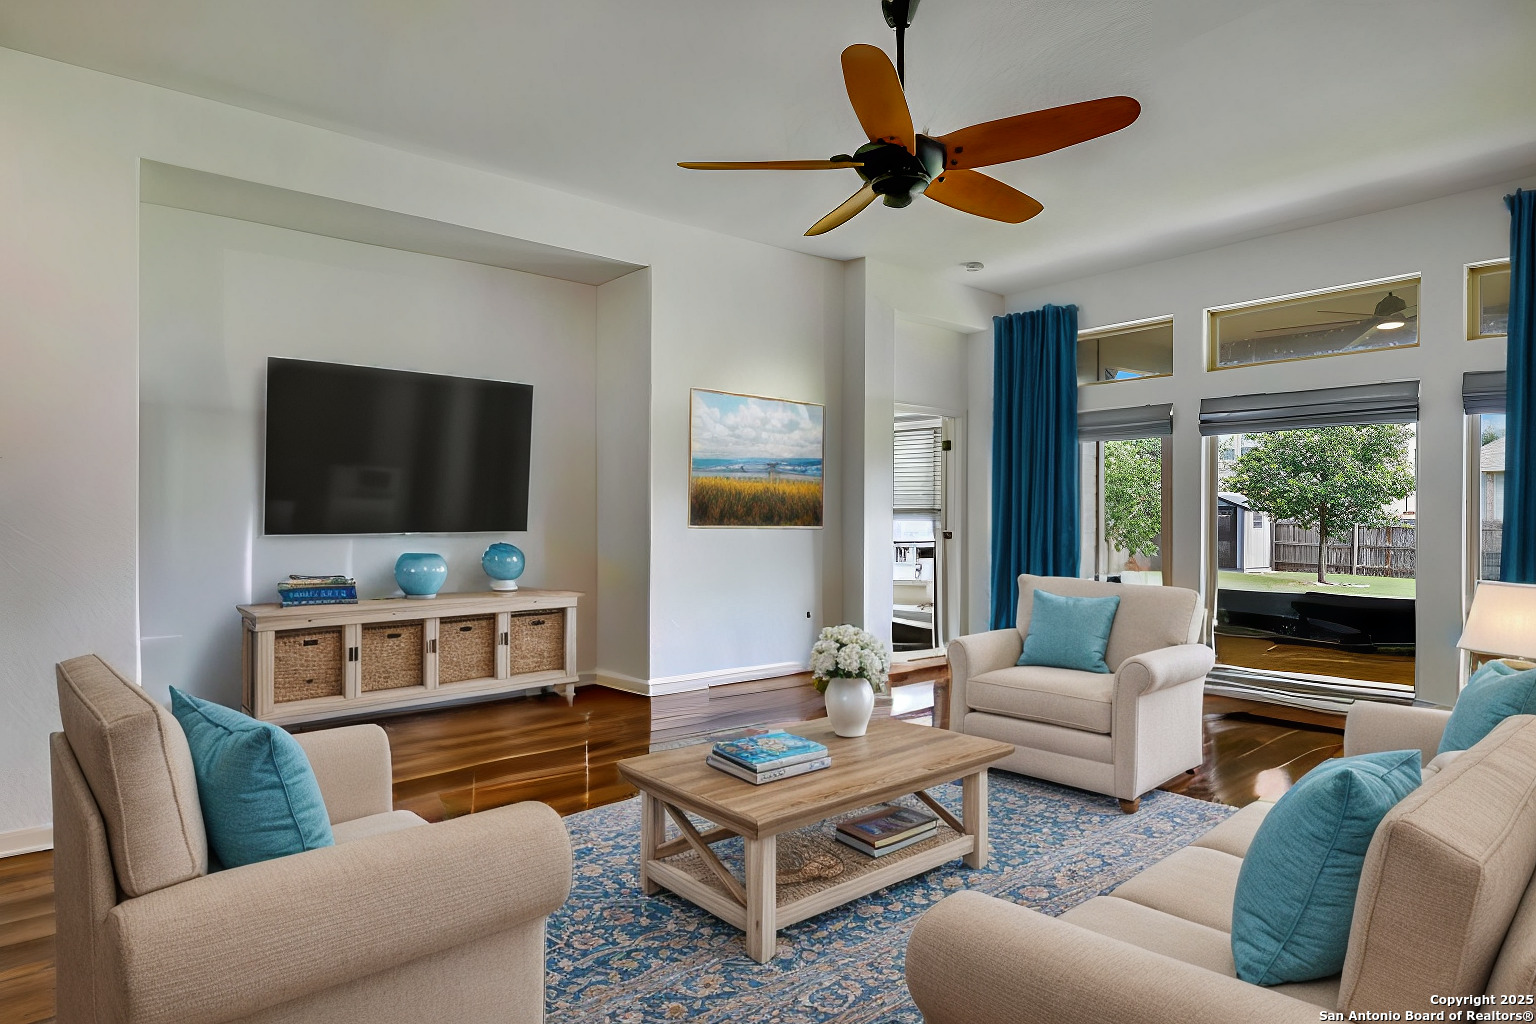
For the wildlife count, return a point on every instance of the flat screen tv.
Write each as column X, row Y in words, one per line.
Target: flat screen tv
column 356, row 450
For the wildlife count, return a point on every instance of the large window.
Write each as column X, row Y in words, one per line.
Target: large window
column 1488, row 300
column 1126, row 459
column 1314, row 535
column 1361, row 318
column 917, row 595
column 1482, row 396
column 1125, row 352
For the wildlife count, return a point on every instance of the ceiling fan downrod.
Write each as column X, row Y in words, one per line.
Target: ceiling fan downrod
column 899, row 15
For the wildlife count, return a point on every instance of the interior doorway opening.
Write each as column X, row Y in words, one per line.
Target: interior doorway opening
column 921, row 533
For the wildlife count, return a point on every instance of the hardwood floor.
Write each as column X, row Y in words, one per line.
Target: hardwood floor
column 26, row 938
column 455, row 761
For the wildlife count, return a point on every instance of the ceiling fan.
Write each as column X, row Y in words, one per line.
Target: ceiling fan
column 1389, row 314
column 899, row 164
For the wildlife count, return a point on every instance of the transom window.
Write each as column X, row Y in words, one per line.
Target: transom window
column 1360, row 318
column 1125, row 352
column 1488, row 300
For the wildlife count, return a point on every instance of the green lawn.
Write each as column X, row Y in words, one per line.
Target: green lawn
column 1302, row 582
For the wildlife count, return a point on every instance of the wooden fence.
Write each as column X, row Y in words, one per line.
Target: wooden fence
column 1491, row 549
column 1363, row 551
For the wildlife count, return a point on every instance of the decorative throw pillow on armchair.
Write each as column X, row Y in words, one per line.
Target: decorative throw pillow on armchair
column 259, row 794
column 1069, row 632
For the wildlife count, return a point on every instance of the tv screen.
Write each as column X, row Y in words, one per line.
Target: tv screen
column 356, row 449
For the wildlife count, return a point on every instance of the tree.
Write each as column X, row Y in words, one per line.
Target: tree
column 1328, row 479
column 1133, row 494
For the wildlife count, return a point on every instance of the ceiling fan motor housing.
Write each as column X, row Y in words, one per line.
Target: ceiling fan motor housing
column 895, row 174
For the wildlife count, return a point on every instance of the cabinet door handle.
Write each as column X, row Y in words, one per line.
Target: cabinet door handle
column 536, row 622
column 505, row 640
column 351, row 653
column 392, row 636
column 311, row 643
column 466, row 629
column 432, row 646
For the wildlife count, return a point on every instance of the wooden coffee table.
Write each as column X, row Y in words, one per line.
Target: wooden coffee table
column 894, row 759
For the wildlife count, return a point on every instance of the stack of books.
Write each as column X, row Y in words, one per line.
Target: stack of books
column 296, row 590
column 888, row 829
column 768, row 757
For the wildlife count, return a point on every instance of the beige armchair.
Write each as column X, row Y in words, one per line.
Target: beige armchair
column 1121, row 734
column 399, row 921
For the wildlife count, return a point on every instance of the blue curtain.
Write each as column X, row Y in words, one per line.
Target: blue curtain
column 1034, row 452
column 1519, row 558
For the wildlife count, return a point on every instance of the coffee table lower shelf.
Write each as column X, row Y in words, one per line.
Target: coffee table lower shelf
column 861, row 876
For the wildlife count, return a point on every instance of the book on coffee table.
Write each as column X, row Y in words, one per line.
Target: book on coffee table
column 769, row 751
column 772, row 774
column 887, row 829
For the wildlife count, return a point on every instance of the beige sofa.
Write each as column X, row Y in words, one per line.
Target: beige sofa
column 399, row 921
column 1121, row 734
column 1446, row 908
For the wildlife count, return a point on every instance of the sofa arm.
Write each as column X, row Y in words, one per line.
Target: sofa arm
column 352, row 765
column 1162, row 668
column 1372, row 727
column 973, row 959
column 236, row 942
column 973, row 655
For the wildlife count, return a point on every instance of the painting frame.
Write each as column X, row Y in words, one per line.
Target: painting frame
column 758, row 469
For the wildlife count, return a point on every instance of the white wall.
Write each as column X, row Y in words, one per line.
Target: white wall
column 69, row 320
column 217, row 298
column 931, row 369
column 624, row 479
column 1436, row 239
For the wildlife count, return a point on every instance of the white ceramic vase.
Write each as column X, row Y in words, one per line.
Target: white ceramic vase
column 849, row 704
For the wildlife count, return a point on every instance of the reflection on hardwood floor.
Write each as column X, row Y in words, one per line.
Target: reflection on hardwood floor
column 1252, row 757
column 454, row 761
column 1271, row 656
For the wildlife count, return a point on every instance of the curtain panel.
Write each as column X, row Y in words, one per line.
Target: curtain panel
column 1034, row 452
column 1518, row 562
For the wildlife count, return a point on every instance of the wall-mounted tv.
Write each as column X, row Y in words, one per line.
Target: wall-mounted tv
column 357, row 450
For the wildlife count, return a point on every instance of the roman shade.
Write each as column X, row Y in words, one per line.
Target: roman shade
column 1394, row 402
column 1482, row 391
column 919, row 483
column 1125, row 424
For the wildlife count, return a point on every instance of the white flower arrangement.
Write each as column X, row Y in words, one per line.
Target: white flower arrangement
column 848, row 652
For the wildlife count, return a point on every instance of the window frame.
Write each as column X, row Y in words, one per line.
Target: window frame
column 1126, row 327
column 1475, row 273
column 1214, row 313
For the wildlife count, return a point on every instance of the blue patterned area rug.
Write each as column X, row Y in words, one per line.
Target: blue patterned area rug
column 616, row 955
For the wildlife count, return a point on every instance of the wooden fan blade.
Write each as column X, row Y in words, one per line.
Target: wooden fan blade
column 974, row 192
column 1041, row 131
column 769, row 165
column 846, row 212
column 875, row 92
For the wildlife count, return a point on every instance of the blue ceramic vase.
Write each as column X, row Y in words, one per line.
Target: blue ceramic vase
column 503, row 563
column 420, row 574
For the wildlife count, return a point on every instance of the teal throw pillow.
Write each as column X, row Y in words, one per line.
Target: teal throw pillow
column 1069, row 632
column 1494, row 692
column 259, row 796
column 1296, row 889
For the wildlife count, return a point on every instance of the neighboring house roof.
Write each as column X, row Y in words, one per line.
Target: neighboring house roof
column 1491, row 460
column 1233, row 498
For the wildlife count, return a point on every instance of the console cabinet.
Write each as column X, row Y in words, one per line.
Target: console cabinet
column 314, row 662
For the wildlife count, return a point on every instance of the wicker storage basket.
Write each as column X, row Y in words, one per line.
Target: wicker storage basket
column 392, row 656
column 307, row 663
column 466, row 648
column 537, row 642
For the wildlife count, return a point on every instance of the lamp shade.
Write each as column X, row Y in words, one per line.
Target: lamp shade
column 1502, row 621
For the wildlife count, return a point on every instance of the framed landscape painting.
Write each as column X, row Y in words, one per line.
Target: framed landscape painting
column 754, row 462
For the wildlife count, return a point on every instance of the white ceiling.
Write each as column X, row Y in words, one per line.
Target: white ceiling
column 1258, row 115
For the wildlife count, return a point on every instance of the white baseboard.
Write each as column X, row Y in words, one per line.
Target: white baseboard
column 661, row 686
column 26, row 840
